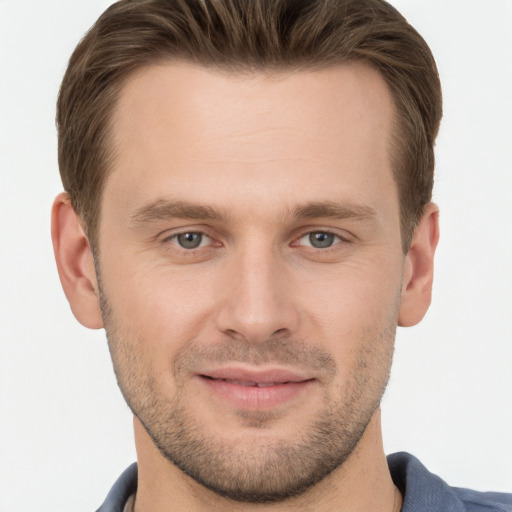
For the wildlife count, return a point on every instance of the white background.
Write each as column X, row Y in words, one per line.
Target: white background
column 65, row 433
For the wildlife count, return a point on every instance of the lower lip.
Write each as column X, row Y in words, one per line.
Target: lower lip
column 256, row 398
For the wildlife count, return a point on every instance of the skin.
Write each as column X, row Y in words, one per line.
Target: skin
column 276, row 158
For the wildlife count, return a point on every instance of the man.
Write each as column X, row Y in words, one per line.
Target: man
column 247, row 213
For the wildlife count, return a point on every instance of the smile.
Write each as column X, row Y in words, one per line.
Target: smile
column 250, row 384
column 255, row 391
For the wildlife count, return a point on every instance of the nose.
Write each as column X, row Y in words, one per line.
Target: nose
column 258, row 299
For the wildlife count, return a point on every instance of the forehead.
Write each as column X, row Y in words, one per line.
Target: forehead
column 217, row 102
column 183, row 124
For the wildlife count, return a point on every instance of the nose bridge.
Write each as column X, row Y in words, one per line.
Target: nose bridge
column 257, row 303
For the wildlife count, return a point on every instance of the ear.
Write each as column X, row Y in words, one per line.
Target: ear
column 75, row 263
column 419, row 269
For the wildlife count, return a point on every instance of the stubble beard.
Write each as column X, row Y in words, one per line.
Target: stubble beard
column 256, row 472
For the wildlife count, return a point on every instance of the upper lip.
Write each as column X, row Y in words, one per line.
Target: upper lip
column 256, row 375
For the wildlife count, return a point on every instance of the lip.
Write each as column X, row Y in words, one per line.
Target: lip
column 255, row 389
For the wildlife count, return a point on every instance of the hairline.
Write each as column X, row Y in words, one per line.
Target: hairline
column 239, row 69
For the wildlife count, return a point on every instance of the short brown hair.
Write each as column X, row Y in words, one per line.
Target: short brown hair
column 247, row 35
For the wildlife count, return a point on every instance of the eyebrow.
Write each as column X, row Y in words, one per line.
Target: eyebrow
column 163, row 209
column 333, row 210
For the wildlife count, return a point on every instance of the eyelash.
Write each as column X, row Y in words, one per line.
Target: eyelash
column 173, row 239
column 340, row 239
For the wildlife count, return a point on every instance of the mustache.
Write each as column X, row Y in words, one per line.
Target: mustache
column 277, row 351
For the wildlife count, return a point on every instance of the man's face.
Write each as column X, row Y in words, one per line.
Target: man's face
column 250, row 267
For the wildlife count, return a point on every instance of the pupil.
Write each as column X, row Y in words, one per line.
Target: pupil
column 189, row 240
column 321, row 240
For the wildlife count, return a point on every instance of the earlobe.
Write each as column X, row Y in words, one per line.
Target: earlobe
column 419, row 269
column 75, row 263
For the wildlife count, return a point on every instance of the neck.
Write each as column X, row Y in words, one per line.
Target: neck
column 362, row 482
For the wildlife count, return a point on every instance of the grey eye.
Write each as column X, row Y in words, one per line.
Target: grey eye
column 189, row 240
column 321, row 240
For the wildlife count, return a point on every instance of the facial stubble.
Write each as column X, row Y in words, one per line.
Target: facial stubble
column 271, row 469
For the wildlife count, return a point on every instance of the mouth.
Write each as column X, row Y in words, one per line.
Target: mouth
column 256, row 390
column 248, row 384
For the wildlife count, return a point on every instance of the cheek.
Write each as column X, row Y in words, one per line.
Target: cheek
column 160, row 310
column 355, row 318
column 353, row 295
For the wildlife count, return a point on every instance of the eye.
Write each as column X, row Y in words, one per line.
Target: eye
column 190, row 240
column 320, row 239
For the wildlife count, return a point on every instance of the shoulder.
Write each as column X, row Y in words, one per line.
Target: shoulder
column 483, row 501
column 425, row 492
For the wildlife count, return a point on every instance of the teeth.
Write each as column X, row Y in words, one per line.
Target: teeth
column 251, row 384
column 240, row 382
